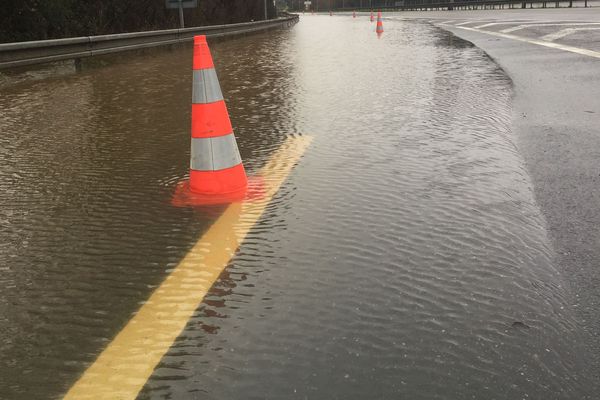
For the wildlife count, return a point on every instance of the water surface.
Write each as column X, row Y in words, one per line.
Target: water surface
column 405, row 257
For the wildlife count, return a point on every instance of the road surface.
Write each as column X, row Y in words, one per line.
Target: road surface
column 408, row 248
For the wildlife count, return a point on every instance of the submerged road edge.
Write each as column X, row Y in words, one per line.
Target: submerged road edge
column 553, row 164
column 126, row 364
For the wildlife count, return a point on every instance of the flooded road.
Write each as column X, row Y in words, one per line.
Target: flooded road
column 405, row 256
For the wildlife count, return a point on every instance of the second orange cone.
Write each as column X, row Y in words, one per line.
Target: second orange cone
column 379, row 28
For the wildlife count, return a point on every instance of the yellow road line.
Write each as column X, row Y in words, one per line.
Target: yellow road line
column 123, row 368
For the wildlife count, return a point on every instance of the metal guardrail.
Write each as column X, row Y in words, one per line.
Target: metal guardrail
column 43, row 51
column 482, row 4
column 415, row 5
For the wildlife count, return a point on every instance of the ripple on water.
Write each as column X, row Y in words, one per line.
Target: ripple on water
column 414, row 260
column 405, row 258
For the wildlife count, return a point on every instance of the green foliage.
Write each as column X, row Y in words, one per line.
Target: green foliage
column 22, row 20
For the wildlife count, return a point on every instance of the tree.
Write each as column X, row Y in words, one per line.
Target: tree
column 22, row 20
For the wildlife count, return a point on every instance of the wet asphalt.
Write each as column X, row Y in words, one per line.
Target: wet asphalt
column 451, row 255
column 556, row 121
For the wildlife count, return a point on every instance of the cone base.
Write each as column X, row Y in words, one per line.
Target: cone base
column 222, row 182
column 185, row 197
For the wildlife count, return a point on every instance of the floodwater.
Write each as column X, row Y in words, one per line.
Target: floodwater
column 405, row 257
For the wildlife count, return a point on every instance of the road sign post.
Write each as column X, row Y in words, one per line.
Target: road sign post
column 181, row 21
column 181, row 4
column 266, row 15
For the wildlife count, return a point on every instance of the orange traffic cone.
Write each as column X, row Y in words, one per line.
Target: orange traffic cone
column 216, row 172
column 379, row 28
column 353, row 14
column 372, row 18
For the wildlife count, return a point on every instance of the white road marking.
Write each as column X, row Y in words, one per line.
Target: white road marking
column 502, row 23
column 565, row 32
column 552, row 45
column 490, row 24
column 516, row 28
column 447, row 22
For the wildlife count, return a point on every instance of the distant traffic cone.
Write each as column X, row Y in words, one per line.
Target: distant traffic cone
column 372, row 18
column 379, row 28
column 353, row 14
column 330, row 13
column 216, row 172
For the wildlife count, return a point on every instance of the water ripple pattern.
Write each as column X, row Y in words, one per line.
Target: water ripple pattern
column 89, row 162
column 405, row 257
column 412, row 262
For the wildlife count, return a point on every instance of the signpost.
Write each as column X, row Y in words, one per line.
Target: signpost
column 181, row 4
column 266, row 15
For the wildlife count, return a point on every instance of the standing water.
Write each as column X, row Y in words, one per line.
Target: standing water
column 405, row 257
